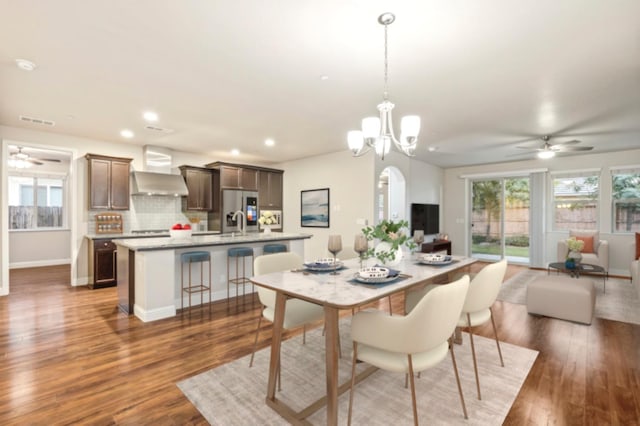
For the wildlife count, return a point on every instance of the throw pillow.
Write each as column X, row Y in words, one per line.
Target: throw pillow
column 586, row 233
column 637, row 245
column 588, row 244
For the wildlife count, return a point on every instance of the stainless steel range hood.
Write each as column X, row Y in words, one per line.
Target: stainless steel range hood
column 148, row 183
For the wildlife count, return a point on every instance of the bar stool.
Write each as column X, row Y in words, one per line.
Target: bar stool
column 274, row 248
column 190, row 258
column 236, row 254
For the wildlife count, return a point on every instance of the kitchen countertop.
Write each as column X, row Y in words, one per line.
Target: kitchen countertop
column 129, row 235
column 166, row 243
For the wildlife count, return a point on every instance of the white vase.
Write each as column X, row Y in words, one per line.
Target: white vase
column 384, row 246
column 267, row 229
column 575, row 255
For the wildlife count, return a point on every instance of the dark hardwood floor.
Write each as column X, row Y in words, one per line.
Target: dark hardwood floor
column 70, row 357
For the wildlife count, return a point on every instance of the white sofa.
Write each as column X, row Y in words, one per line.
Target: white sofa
column 635, row 268
column 600, row 247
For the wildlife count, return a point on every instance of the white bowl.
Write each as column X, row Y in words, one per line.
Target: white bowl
column 434, row 257
column 180, row 234
column 374, row 272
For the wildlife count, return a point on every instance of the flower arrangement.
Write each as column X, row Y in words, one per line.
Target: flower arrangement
column 389, row 232
column 266, row 218
column 575, row 245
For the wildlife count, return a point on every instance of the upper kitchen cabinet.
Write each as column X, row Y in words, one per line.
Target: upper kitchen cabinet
column 108, row 182
column 200, row 185
column 270, row 189
column 235, row 176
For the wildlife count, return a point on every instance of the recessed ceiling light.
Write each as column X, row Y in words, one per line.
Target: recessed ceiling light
column 25, row 65
column 235, row 152
column 126, row 133
column 324, row 77
column 432, row 148
column 269, row 142
column 150, row 116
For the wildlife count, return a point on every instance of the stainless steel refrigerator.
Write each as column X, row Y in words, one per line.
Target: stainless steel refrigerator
column 234, row 200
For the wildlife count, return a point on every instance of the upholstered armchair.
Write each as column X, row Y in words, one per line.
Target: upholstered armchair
column 595, row 252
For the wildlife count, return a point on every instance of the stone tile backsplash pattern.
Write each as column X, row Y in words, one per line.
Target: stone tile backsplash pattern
column 154, row 212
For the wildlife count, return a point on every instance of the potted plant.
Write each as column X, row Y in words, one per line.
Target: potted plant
column 391, row 236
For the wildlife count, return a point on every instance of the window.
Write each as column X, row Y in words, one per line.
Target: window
column 36, row 202
column 575, row 200
column 625, row 195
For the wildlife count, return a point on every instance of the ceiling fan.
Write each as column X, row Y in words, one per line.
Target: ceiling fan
column 549, row 149
column 22, row 160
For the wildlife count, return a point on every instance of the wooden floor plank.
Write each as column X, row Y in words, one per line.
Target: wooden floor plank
column 68, row 354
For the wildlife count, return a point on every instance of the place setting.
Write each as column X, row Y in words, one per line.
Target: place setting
column 436, row 259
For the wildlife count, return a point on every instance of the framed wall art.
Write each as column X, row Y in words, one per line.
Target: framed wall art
column 314, row 208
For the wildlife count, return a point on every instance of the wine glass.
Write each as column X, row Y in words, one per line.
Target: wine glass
column 360, row 246
column 335, row 247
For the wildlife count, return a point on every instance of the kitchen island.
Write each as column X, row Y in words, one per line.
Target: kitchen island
column 149, row 282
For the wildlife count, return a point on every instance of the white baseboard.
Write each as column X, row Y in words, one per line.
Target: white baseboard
column 155, row 314
column 39, row 263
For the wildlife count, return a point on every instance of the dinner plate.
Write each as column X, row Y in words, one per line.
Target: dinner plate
column 447, row 261
column 383, row 280
column 313, row 266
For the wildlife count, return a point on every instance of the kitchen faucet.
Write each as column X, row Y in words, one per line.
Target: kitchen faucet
column 242, row 228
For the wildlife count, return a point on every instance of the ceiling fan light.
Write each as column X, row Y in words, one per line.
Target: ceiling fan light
column 546, row 154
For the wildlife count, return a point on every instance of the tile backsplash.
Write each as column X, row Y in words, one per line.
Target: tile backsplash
column 154, row 212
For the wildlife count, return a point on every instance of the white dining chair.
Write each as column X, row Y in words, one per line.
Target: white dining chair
column 483, row 292
column 411, row 343
column 297, row 312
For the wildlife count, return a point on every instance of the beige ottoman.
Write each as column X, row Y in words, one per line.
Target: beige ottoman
column 561, row 296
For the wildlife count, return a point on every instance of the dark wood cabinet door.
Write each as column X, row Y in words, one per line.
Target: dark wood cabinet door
column 99, row 184
column 105, row 272
column 119, row 185
column 229, row 177
column 270, row 189
column 275, row 190
column 200, row 187
column 249, row 179
column 206, row 191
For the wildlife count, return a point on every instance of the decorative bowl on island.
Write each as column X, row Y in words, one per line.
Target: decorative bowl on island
column 180, row 232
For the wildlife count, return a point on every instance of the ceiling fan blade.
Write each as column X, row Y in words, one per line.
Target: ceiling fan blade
column 571, row 142
column 52, row 160
column 573, row 148
column 33, row 161
column 529, row 148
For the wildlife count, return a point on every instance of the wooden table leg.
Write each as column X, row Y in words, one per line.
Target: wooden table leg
column 332, row 353
column 276, row 341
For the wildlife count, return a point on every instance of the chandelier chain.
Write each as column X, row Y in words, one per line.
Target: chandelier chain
column 386, row 65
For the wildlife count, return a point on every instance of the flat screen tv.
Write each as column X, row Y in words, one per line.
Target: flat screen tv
column 425, row 217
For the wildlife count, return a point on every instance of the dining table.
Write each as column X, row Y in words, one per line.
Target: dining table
column 336, row 292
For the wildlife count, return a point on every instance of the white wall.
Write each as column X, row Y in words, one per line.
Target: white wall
column 351, row 182
column 353, row 188
column 39, row 248
column 455, row 206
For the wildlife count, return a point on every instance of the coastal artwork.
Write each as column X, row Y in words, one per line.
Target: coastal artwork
column 314, row 208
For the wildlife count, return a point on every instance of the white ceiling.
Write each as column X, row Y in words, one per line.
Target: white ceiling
column 485, row 76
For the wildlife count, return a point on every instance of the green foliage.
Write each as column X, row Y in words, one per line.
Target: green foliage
column 389, row 232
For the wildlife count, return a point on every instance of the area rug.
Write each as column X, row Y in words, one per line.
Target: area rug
column 619, row 303
column 234, row 394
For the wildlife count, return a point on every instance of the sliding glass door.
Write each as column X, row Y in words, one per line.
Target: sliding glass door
column 500, row 218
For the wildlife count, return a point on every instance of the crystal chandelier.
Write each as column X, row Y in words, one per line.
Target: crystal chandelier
column 377, row 132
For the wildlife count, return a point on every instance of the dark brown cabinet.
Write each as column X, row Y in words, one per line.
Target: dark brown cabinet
column 103, row 263
column 270, row 189
column 435, row 246
column 200, row 185
column 234, row 177
column 108, row 182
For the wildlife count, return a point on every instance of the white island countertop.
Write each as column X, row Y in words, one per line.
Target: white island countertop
column 165, row 243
